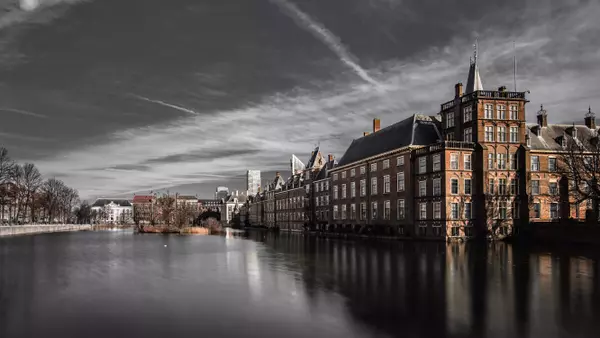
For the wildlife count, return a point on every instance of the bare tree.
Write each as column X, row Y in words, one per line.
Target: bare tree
column 6, row 168
column 166, row 206
column 32, row 180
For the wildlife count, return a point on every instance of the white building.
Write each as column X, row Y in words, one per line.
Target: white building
column 221, row 193
column 113, row 211
column 232, row 206
column 252, row 182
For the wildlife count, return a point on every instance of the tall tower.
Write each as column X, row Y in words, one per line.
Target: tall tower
column 474, row 80
column 252, row 181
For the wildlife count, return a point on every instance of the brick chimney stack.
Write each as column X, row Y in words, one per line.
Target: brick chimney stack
column 365, row 133
column 330, row 158
column 458, row 90
column 590, row 119
column 376, row 125
column 542, row 117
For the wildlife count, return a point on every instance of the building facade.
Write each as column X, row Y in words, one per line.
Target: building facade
column 252, row 182
column 113, row 211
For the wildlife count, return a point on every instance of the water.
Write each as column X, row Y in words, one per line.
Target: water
column 117, row 284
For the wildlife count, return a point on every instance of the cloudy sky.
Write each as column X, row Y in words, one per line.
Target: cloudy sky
column 118, row 96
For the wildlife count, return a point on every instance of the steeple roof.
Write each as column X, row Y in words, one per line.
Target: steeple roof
column 474, row 80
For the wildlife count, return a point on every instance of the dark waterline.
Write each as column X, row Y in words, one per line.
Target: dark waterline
column 116, row 284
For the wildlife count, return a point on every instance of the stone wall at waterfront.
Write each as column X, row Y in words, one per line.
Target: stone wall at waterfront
column 16, row 230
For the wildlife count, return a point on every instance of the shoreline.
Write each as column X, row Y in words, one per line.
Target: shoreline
column 33, row 229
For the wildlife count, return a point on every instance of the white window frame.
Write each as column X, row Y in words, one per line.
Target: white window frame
column 452, row 180
column 468, row 114
column 352, row 189
column 373, row 185
column 489, row 111
column 422, row 188
column 437, row 210
column 400, row 183
column 400, row 161
column 437, row 186
column 454, row 161
column 450, row 120
column 501, row 111
column 386, row 164
column 514, row 112
column 470, row 185
column 422, row 165
column 514, row 134
column 437, row 162
column 468, row 165
column 400, row 209
column 386, row 184
column 468, row 135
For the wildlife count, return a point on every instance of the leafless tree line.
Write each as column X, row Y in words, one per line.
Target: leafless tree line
column 165, row 210
column 25, row 197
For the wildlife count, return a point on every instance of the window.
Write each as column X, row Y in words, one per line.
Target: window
column 535, row 187
column 374, row 186
column 335, row 212
column 468, row 188
column 489, row 111
column 437, row 187
column 491, row 186
column 386, row 210
column 343, row 191
column 352, row 172
column 363, row 187
column 514, row 134
column 502, row 186
column 317, row 201
column 553, row 188
column 374, row 210
column 501, row 134
column 551, row 164
column 422, row 165
column 344, row 211
column 454, row 161
column 454, row 186
column 501, row 161
column 437, row 163
column 400, row 212
column 502, row 210
column 468, row 211
column 362, row 170
column 501, row 112
column 554, row 210
column 373, row 167
column 343, row 174
column 514, row 161
column 386, row 164
column 450, row 120
column 514, row 186
column 335, row 177
column 467, row 162
column 489, row 134
column 386, row 184
column 514, row 112
column 490, row 161
column 399, row 161
column 335, row 192
column 535, row 163
column 326, row 199
column 363, row 211
column 400, row 181
column 326, row 185
column 422, row 188
column 317, row 187
column 422, row 210
column 352, row 211
column 468, row 113
column 437, row 210
column 352, row 189
column 468, row 135
column 454, row 211
column 455, row 231
column 515, row 210
column 536, row 210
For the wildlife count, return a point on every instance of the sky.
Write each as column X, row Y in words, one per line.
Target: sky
column 116, row 97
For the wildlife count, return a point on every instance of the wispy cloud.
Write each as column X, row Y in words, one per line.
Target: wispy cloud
column 327, row 37
column 166, row 104
column 22, row 112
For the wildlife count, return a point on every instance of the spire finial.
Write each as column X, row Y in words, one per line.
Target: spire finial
column 590, row 113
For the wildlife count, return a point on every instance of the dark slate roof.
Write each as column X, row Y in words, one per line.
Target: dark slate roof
column 313, row 157
column 415, row 130
column 550, row 136
column 104, row 201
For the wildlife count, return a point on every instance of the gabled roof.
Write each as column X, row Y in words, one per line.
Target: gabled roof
column 104, row 201
column 549, row 137
column 415, row 130
column 187, row 197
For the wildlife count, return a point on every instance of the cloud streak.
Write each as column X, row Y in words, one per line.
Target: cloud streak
column 165, row 104
column 22, row 112
column 327, row 37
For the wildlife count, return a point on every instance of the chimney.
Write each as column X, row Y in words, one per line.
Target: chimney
column 376, row 125
column 458, row 90
column 365, row 133
column 502, row 88
column 590, row 119
column 329, row 158
column 542, row 117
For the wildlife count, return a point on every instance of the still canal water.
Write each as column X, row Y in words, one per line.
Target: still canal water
column 116, row 284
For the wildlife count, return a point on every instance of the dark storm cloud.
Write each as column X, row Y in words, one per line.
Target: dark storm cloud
column 176, row 85
column 211, row 154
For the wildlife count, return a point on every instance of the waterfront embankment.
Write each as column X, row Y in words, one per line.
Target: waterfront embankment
column 16, row 230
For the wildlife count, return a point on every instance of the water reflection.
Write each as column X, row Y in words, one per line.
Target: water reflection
column 450, row 290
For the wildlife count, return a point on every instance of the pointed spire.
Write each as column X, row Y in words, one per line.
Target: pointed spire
column 474, row 79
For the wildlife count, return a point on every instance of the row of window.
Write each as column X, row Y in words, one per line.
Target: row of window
column 502, row 136
column 348, row 212
column 291, row 216
column 385, row 165
column 488, row 114
column 400, row 185
column 437, row 162
column 290, row 203
column 437, row 187
column 322, row 200
column 322, row 186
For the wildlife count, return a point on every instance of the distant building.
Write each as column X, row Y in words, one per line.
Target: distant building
column 113, row 211
column 252, row 182
column 212, row 205
column 221, row 193
column 232, row 206
column 191, row 201
column 144, row 210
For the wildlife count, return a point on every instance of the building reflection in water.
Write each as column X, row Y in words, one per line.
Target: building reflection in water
column 448, row 290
